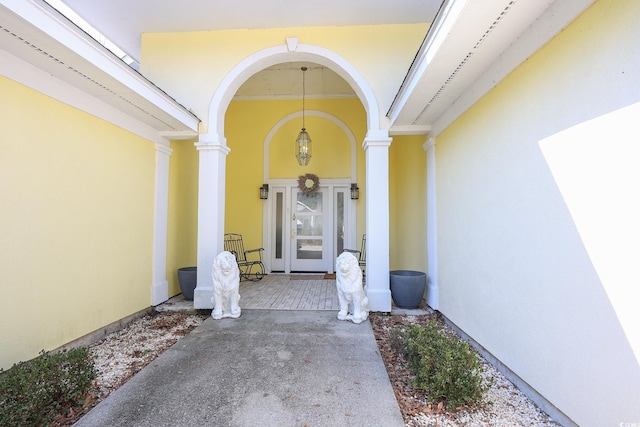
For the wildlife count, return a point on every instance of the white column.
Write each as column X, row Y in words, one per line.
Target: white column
column 160, row 285
column 376, row 146
column 432, row 230
column 211, row 184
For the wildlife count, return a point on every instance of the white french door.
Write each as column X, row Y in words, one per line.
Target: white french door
column 310, row 223
column 306, row 232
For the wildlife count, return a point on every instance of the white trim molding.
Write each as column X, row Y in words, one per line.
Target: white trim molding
column 555, row 18
column 282, row 53
column 377, row 217
column 212, row 154
column 342, row 125
column 160, row 286
column 35, row 23
column 35, row 78
column 432, row 227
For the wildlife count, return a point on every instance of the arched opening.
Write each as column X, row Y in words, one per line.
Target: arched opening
column 213, row 151
column 290, row 52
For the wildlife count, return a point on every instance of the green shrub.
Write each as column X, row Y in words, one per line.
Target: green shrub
column 445, row 367
column 33, row 392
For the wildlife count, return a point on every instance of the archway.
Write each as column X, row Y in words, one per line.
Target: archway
column 212, row 157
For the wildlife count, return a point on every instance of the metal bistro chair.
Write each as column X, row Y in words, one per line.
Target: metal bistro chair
column 360, row 254
column 249, row 262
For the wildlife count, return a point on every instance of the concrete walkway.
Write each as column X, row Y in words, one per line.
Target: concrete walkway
column 267, row 368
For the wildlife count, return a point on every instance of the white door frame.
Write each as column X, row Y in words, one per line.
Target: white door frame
column 268, row 220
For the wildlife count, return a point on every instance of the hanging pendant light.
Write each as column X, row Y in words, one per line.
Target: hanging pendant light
column 303, row 142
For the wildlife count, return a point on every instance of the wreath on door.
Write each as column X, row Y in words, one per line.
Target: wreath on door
column 308, row 183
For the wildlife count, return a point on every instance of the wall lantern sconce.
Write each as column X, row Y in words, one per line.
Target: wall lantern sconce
column 355, row 192
column 264, row 192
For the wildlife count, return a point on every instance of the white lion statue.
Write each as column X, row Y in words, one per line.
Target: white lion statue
column 350, row 291
column 226, row 282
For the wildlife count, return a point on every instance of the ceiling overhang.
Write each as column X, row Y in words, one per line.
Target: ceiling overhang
column 470, row 47
column 32, row 34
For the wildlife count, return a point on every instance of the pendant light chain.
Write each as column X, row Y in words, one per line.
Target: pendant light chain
column 303, row 93
column 303, row 142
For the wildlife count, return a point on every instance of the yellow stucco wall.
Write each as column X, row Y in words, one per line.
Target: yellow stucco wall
column 248, row 124
column 407, row 203
column 537, row 218
column 76, row 223
column 182, row 224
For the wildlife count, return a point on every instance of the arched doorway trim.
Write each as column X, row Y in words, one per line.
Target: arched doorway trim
column 316, row 113
column 279, row 54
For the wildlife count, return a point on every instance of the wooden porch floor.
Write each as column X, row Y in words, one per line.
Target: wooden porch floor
column 290, row 292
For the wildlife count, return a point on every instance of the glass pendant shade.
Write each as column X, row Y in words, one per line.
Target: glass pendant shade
column 303, row 148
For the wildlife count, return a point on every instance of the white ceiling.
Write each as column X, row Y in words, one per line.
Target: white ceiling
column 284, row 81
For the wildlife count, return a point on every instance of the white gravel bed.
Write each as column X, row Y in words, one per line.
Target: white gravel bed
column 121, row 354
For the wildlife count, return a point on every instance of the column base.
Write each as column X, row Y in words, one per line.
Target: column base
column 159, row 292
column 202, row 298
column 379, row 300
column 432, row 295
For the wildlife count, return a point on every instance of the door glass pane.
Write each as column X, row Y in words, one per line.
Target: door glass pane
column 340, row 222
column 309, row 218
column 311, row 202
column 309, row 249
column 309, row 214
column 279, row 224
column 309, row 226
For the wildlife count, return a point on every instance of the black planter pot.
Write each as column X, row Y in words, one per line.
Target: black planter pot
column 407, row 287
column 187, row 277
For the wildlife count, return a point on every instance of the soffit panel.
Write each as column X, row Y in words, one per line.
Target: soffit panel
column 37, row 48
column 482, row 32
